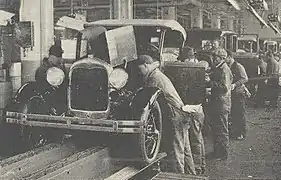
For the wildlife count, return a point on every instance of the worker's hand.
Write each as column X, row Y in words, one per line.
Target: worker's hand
column 265, row 81
column 233, row 86
column 207, row 78
column 208, row 91
column 192, row 108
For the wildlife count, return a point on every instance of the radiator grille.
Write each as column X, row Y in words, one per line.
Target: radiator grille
column 89, row 89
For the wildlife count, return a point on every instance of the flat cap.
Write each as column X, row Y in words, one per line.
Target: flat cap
column 56, row 51
column 145, row 59
column 220, row 52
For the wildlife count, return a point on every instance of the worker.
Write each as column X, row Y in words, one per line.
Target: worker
column 197, row 119
column 189, row 55
column 180, row 157
column 238, row 98
column 272, row 70
column 261, row 89
column 220, row 102
column 54, row 60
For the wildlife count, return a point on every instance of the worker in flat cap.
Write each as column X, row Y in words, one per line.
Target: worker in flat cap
column 220, row 102
column 179, row 153
column 188, row 55
column 54, row 60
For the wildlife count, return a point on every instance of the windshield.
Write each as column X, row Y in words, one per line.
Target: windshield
column 247, row 46
column 67, row 38
column 204, row 40
column 271, row 47
column 173, row 42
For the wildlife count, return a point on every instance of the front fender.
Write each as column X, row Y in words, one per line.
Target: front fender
column 143, row 99
column 24, row 92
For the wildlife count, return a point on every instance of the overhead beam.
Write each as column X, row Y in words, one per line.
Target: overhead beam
column 139, row 5
column 254, row 12
column 275, row 29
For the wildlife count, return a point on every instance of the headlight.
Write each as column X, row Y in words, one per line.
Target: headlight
column 118, row 78
column 55, row 76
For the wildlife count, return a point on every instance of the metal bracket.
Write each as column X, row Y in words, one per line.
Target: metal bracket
column 115, row 126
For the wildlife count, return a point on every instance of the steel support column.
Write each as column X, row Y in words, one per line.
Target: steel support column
column 230, row 23
column 40, row 12
column 215, row 21
column 197, row 17
column 122, row 9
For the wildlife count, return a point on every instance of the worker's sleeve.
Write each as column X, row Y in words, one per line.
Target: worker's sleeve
column 275, row 69
column 220, row 85
column 243, row 76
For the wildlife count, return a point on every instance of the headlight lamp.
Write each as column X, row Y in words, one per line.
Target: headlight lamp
column 118, row 78
column 55, row 76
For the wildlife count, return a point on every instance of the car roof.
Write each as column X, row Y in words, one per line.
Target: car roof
column 248, row 38
column 212, row 30
column 270, row 42
column 171, row 24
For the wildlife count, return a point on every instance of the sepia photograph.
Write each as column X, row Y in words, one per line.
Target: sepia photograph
column 140, row 89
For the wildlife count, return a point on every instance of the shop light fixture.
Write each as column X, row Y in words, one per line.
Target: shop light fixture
column 235, row 4
column 254, row 12
column 275, row 29
column 273, row 17
column 259, row 4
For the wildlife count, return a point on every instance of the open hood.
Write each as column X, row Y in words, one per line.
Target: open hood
column 5, row 17
column 71, row 23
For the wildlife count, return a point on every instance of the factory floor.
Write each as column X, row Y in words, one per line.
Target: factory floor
column 256, row 157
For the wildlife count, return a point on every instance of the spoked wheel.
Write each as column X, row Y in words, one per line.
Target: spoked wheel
column 33, row 137
column 150, row 137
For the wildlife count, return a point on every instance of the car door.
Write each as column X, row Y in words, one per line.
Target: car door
column 188, row 78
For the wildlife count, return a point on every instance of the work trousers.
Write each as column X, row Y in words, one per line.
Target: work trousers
column 238, row 115
column 179, row 153
column 261, row 94
column 273, row 93
column 197, row 141
column 219, row 121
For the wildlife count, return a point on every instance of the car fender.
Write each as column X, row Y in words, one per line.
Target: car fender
column 24, row 92
column 143, row 99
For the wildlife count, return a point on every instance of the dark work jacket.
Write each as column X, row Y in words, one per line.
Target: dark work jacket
column 272, row 69
column 41, row 72
column 221, row 80
column 239, row 77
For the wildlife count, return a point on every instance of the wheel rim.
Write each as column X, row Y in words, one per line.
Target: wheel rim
column 152, row 133
column 34, row 137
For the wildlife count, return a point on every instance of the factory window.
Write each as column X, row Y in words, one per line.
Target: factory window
column 147, row 13
column 184, row 16
column 206, row 20
column 185, row 21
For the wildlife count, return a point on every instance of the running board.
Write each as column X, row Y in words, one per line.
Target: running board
column 22, row 165
column 173, row 176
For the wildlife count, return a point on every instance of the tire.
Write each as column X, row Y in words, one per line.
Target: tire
column 150, row 137
column 32, row 137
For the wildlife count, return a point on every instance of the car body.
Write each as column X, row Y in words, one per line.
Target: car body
column 248, row 54
column 271, row 45
column 206, row 40
column 103, row 93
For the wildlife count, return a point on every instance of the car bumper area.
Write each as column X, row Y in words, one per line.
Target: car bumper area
column 75, row 123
